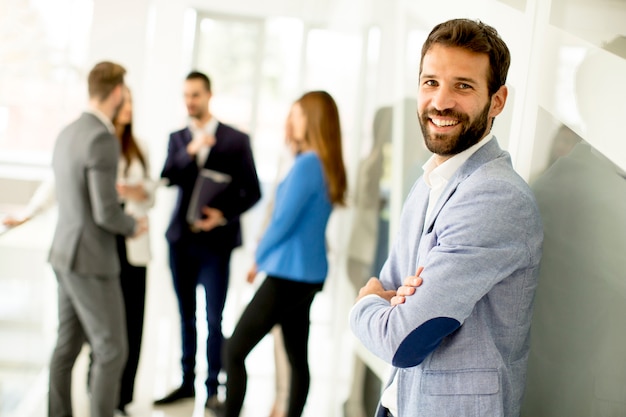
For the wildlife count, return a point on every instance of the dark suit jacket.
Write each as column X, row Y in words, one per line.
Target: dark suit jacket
column 89, row 214
column 232, row 155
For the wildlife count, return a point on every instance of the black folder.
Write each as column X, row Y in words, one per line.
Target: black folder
column 209, row 185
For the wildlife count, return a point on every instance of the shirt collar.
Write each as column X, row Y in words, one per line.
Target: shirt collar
column 434, row 174
column 103, row 118
column 210, row 127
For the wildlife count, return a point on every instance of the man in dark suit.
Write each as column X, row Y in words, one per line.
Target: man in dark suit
column 83, row 253
column 200, row 252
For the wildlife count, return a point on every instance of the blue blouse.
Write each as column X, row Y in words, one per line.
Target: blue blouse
column 294, row 245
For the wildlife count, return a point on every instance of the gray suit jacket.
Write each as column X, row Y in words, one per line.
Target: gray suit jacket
column 459, row 345
column 85, row 162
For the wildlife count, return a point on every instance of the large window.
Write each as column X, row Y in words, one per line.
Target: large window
column 260, row 66
column 43, row 49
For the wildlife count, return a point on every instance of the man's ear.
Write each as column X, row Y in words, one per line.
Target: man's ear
column 498, row 100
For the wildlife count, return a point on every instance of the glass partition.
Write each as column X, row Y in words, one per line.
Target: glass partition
column 600, row 22
column 578, row 336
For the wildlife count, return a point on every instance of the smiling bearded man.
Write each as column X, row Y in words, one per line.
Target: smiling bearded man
column 456, row 331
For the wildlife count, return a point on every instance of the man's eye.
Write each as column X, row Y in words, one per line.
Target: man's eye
column 431, row 83
column 464, row 86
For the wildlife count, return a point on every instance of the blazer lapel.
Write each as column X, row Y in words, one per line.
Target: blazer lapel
column 485, row 154
column 187, row 137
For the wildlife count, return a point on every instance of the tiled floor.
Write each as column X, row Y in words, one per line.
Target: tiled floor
column 28, row 320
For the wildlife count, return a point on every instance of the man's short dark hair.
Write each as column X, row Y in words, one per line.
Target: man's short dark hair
column 103, row 78
column 197, row 75
column 477, row 37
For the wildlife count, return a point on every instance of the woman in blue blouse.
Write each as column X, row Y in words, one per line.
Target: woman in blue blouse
column 292, row 252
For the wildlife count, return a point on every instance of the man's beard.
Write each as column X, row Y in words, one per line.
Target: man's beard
column 449, row 144
column 194, row 114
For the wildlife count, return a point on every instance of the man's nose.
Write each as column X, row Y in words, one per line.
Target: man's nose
column 443, row 99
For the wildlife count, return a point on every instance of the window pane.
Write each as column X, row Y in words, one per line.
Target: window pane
column 333, row 63
column 280, row 87
column 228, row 51
column 602, row 26
column 43, row 49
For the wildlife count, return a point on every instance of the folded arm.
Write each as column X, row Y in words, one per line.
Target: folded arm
column 465, row 257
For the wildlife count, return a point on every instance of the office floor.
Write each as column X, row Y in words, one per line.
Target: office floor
column 28, row 322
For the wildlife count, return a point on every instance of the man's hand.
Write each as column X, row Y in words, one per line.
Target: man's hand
column 213, row 219
column 141, row 226
column 201, row 141
column 408, row 289
column 375, row 287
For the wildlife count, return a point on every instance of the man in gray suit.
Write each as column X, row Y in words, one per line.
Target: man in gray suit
column 83, row 253
column 456, row 332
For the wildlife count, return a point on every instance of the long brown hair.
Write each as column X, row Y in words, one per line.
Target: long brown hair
column 129, row 146
column 323, row 134
column 130, row 149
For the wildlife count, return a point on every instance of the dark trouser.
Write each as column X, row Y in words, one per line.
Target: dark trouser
column 133, row 282
column 277, row 301
column 194, row 265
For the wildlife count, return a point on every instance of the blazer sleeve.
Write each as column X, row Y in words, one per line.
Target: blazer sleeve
column 179, row 166
column 101, row 174
column 484, row 235
column 245, row 190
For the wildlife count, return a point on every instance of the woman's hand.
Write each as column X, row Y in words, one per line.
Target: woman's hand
column 11, row 221
column 251, row 274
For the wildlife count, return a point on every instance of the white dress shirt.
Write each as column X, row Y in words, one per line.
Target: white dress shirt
column 209, row 129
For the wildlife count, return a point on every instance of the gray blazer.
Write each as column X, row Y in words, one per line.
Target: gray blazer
column 84, row 163
column 459, row 345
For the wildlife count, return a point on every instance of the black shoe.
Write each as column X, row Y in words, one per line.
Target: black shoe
column 214, row 404
column 178, row 394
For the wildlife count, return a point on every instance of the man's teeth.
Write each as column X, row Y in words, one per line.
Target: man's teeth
column 443, row 123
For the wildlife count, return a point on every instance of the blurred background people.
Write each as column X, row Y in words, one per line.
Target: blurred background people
column 281, row 362
column 136, row 191
column 292, row 251
column 200, row 252
column 83, row 253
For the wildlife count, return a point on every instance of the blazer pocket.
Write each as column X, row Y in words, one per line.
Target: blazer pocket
column 468, row 393
column 609, row 396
